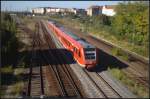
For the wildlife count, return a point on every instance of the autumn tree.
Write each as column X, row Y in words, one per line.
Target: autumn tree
column 131, row 22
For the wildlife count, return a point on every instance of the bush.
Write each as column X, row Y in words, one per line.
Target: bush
column 10, row 43
column 118, row 52
column 17, row 88
column 6, row 70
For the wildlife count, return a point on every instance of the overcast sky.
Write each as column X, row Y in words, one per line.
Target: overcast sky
column 24, row 5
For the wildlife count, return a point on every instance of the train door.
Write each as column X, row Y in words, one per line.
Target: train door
column 79, row 54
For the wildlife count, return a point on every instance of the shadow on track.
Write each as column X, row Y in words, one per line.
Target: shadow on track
column 39, row 60
column 106, row 61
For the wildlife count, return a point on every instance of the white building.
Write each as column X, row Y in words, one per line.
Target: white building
column 50, row 10
column 38, row 10
column 93, row 10
column 98, row 10
column 108, row 10
column 55, row 10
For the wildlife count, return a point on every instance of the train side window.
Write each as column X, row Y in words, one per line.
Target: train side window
column 79, row 54
column 74, row 49
column 69, row 44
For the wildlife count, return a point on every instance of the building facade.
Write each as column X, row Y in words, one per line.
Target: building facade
column 38, row 10
column 108, row 10
column 93, row 10
column 55, row 10
column 98, row 10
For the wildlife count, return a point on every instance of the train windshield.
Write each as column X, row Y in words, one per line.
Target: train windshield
column 90, row 53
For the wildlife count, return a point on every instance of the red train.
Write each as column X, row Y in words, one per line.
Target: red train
column 83, row 52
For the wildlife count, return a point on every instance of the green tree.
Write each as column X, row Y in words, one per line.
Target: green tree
column 131, row 22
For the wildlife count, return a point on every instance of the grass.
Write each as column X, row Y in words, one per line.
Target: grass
column 2, row 93
column 132, row 85
column 18, row 71
column 119, row 53
column 6, row 69
column 12, row 78
column 17, row 88
column 142, row 50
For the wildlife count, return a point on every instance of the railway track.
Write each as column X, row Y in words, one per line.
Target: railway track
column 136, row 66
column 106, row 89
column 107, row 85
column 135, row 62
column 35, row 83
column 61, row 81
column 66, row 84
column 140, row 79
column 135, row 57
column 108, row 46
column 55, row 87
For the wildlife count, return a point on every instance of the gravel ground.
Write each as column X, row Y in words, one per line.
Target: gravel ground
column 90, row 90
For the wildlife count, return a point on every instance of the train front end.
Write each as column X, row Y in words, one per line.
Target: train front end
column 90, row 58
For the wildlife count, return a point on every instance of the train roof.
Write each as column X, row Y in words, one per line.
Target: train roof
column 84, row 43
column 69, row 33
